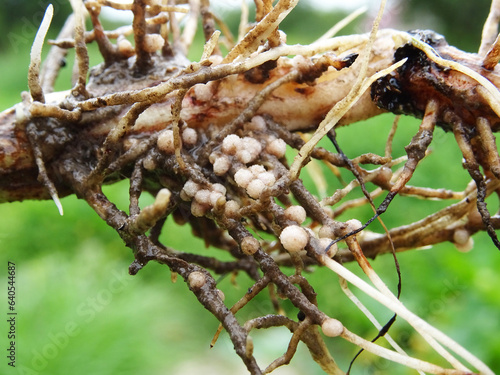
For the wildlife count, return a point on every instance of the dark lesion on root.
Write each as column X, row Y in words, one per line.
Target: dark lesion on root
column 408, row 89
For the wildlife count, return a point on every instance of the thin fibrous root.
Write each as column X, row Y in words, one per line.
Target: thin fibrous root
column 399, row 358
column 493, row 55
column 490, row 28
column 416, row 152
column 148, row 216
column 82, row 56
column 261, row 31
column 472, row 167
column 488, row 142
column 396, row 306
column 36, row 57
column 31, row 130
column 370, row 316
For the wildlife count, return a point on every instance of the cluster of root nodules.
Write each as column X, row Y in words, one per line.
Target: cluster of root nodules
column 230, row 179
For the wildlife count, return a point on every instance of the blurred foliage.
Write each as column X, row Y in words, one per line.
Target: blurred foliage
column 19, row 20
column 460, row 21
column 80, row 312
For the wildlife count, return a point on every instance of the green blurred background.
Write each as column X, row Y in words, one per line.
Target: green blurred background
column 80, row 312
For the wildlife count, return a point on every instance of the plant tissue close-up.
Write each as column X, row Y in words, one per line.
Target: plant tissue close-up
column 232, row 187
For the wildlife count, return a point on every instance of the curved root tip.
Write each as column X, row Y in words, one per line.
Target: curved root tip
column 36, row 56
column 49, row 185
column 56, row 200
column 493, row 55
